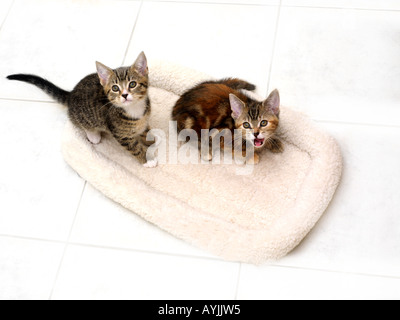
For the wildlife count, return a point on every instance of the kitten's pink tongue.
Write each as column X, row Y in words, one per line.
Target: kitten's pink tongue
column 258, row 142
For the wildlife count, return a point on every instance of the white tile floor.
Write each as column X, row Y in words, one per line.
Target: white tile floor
column 338, row 61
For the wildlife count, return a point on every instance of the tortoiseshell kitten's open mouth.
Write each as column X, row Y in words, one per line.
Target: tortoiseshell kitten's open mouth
column 259, row 143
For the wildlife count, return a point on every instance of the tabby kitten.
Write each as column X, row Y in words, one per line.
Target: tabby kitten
column 111, row 100
column 224, row 105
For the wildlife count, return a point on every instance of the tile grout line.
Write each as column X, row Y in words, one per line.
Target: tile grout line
column 6, row 17
column 210, row 2
column 274, row 47
column 238, row 281
column 216, row 259
column 133, row 31
column 67, row 242
column 77, row 210
column 116, row 248
column 30, row 238
column 143, row 251
column 350, row 273
column 27, row 100
column 341, row 8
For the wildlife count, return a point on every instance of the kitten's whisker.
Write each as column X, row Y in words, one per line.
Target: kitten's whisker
column 273, row 143
column 108, row 104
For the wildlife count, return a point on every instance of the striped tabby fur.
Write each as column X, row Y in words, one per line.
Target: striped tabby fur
column 111, row 100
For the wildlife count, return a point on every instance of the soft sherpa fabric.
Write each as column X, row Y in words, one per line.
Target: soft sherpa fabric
column 248, row 218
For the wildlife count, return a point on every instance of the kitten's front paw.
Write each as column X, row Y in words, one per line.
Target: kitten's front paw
column 207, row 157
column 151, row 164
column 93, row 136
column 254, row 160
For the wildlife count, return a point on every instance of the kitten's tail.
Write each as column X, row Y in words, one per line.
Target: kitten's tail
column 57, row 93
column 238, row 84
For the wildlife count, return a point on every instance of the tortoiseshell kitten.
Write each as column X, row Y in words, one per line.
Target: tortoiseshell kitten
column 111, row 100
column 224, row 105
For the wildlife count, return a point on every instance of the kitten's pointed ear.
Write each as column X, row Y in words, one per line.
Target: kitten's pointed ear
column 237, row 106
column 140, row 65
column 273, row 102
column 104, row 73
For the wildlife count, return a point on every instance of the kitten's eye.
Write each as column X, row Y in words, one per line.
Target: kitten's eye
column 246, row 125
column 115, row 88
column 264, row 123
column 133, row 84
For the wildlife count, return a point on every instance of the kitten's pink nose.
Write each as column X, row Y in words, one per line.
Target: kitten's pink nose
column 125, row 96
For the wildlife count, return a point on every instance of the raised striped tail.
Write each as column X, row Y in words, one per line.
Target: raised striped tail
column 55, row 92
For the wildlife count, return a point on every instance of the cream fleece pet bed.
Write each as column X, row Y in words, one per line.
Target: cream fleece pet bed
column 248, row 218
